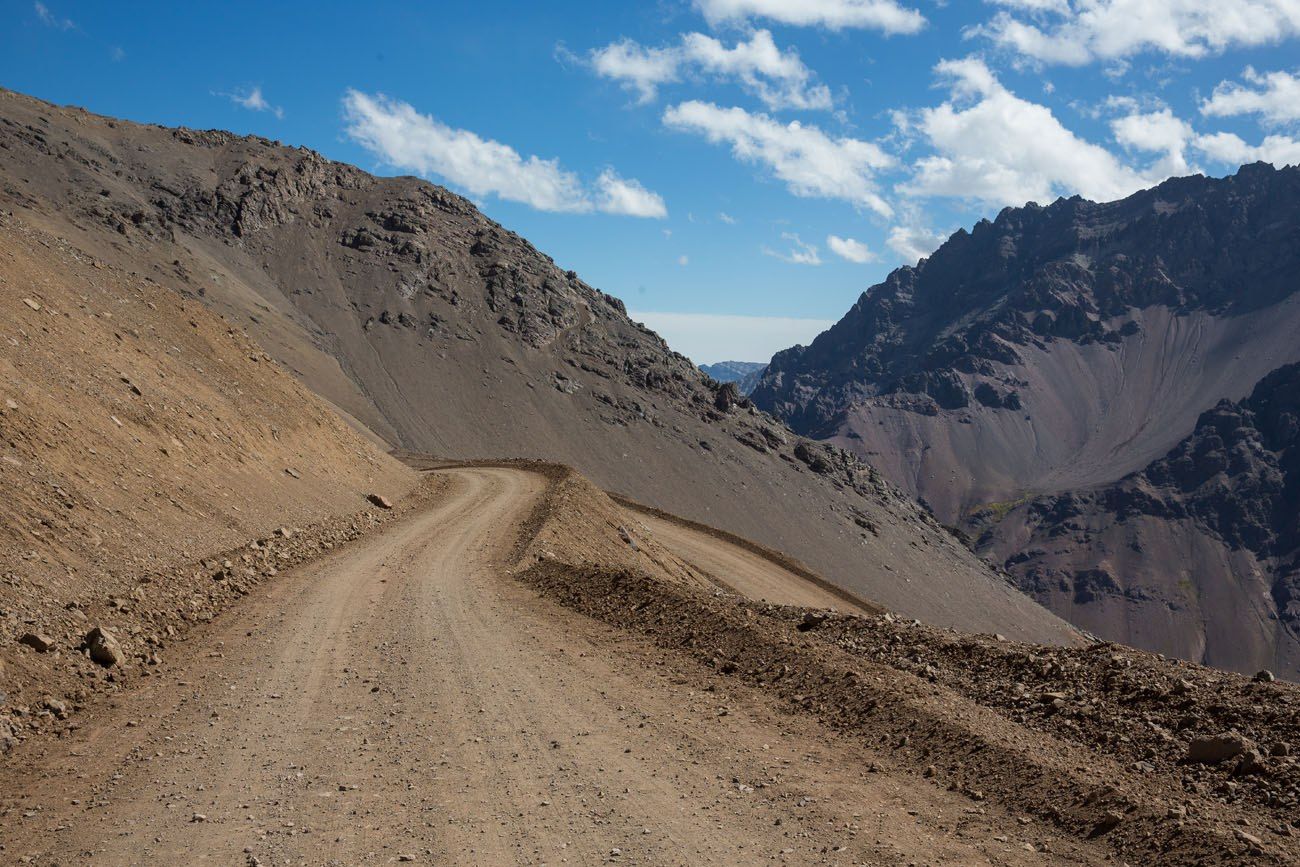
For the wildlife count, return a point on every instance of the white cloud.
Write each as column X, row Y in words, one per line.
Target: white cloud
column 1061, row 7
column 1082, row 31
column 996, row 148
column 1275, row 97
column 800, row 253
column 848, row 248
column 1158, row 132
column 913, row 242
column 811, row 163
column 403, row 138
column 726, row 218
column 883, row 15
column 780, row 79
column 707, row 338
column 1226, row 147
column 638, row 68
column 253, row 100
column 49, row 19
column 617, row 195
column 683, row 261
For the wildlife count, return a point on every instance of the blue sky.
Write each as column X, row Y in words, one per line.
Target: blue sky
column 716, row 160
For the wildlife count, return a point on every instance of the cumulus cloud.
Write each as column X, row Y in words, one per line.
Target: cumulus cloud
column 1082, row 31
column 1273, row 96
column 254, row 100
column 800, row 253
column 887, row 16
column 912, row 242
column 615, row 195
column 1156, row 132
column 994, row 147
column 811, row 163
column 850, row 250
column 638, row 68
column 403, row 138
column 779, row 78
column 1229, row 148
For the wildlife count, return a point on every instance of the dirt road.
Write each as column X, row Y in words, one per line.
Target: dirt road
column 407, row 699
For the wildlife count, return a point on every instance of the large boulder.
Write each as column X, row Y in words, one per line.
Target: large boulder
column 103, row 647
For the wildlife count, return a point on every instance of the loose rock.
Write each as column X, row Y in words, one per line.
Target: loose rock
column 103, row 647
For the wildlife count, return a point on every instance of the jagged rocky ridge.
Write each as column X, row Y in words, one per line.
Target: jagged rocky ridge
column 1034, row 275
column 1026, row 328
column 442, row 332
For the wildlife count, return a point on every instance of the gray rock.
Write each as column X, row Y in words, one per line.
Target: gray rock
column 37, row 641
column 103, row 647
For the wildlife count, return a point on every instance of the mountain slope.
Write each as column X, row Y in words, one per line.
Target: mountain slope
column 1057, row 347
column 1196, row 555
column 444, row 333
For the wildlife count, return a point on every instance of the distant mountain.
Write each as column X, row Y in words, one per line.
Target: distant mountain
column 439, row 331
column 746, row 374
column 1060, row 349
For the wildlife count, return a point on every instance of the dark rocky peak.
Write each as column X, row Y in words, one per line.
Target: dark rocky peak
column 1072, row 271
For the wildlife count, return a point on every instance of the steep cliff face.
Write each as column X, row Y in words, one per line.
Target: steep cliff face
column 1057, row 347
column 442, row 332
column 1197, row 554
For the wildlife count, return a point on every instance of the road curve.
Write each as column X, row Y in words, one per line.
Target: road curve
column 406, row 699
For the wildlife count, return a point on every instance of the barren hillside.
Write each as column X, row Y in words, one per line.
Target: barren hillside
column 142, row 438
column 1194, row 555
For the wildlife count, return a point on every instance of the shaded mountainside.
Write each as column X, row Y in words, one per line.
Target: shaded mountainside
column 443, row 333
column 1197, row 554
column 1057, row 347
column 745, row 374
